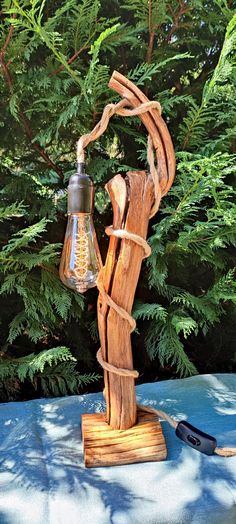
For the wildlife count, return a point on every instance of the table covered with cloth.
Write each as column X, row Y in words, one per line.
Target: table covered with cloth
column 43, row 479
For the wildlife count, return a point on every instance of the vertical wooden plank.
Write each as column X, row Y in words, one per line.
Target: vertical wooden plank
column 118, row 195
column 114, row 330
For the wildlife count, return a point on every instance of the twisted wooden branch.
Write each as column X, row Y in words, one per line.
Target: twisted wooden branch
column 155, row 126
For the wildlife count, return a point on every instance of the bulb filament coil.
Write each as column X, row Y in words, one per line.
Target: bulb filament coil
column 81, row 251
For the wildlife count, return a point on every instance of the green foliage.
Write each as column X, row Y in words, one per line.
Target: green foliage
column 163, row 339
column 56, row 61
column 198, row 225
column 194, row 237
column 157, row 15
column 217, row 107
column 144, row 71
column 12, row 210
column 52, row 370
column 149, row 311
column 33, row 276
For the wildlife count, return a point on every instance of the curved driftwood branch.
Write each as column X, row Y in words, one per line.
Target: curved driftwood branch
column 155, row 126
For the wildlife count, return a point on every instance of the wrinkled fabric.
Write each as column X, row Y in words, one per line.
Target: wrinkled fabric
column 43, row 479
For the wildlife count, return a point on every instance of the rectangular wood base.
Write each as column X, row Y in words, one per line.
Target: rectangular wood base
column 104, row 446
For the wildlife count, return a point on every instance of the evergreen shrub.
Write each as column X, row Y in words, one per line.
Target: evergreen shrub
column 56, row 60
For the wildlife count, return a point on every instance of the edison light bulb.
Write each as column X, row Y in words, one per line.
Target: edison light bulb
column 81, row 260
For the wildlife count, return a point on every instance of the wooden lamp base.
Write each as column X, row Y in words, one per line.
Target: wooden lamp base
column 104, row 446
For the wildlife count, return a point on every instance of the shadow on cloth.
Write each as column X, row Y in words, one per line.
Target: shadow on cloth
column 41, row 465
column 42, row 450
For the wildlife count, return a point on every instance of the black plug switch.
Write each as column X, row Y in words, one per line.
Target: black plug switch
column 196, row 438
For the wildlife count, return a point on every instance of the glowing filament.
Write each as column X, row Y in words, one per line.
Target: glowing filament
column 81, row 251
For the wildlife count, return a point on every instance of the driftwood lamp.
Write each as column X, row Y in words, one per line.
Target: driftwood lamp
column 126, row 433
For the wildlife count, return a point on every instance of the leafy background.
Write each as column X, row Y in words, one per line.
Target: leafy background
column 56, row 60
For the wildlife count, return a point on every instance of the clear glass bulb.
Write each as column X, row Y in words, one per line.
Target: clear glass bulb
column 81, row 260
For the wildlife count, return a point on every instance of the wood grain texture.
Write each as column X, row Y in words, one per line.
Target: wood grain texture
column 105, row 446
column 118, row 195
column 131, row 203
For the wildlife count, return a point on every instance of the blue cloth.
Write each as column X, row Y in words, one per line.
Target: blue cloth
column 43, row 479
